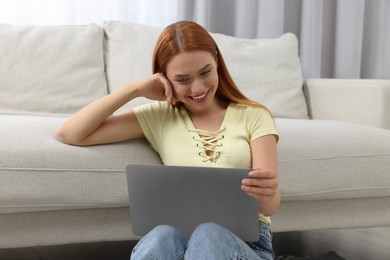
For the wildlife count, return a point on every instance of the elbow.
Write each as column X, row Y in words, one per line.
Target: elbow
column 63, row 136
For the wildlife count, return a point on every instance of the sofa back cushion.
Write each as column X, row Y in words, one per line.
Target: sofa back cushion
column 128, row 51
column 50, row 69
column 266, row 70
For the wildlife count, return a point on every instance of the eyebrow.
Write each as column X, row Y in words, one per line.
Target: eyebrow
column 185, row 75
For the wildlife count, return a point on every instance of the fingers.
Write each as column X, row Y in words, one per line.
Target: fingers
column 259, row 173
column 168, row 89
column 259, row 186
column 260, row 194
column 262, row 185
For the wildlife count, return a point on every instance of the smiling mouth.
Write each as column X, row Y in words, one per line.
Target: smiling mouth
column 198, row 98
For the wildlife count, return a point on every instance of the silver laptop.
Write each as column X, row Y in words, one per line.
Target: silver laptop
column 185, row 197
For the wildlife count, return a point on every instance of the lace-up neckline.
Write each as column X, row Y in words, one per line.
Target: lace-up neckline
column 208, row 142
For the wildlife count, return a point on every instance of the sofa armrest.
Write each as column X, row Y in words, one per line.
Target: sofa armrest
column 362, row 101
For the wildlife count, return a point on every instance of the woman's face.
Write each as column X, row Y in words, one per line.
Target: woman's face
column 194, row 78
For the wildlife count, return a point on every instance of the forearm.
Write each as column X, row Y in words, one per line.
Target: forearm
column 270, row 207
column 88, row 119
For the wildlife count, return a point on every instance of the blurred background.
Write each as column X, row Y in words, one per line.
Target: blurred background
column 338, row 38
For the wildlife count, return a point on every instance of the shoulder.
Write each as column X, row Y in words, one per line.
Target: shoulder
column 247, row 111
column 257, row 121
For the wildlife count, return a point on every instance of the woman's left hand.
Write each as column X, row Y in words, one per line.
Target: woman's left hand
column 262, row 184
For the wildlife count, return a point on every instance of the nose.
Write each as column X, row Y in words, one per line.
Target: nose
column 197, row 86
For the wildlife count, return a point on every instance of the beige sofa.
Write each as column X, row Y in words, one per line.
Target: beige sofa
column 334, row 149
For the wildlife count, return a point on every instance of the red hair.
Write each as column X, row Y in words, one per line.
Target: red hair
column 189, row 36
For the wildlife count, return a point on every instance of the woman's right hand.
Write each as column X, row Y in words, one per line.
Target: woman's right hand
column 157, row 87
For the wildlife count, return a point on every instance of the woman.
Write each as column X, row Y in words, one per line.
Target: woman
column 200, row 119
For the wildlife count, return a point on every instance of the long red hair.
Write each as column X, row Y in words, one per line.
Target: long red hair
column 187, row 36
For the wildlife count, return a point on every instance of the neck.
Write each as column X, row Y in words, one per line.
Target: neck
column 211, row 119
column 217, row 107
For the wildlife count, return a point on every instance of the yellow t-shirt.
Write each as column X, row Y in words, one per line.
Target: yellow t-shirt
column 172, row 134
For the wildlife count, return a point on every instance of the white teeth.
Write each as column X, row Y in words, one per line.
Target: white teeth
column 200, row 97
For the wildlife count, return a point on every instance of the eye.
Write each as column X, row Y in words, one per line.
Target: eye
column 205, row 73
column 181, row 80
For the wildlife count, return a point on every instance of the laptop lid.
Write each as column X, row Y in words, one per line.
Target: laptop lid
column 185, row 197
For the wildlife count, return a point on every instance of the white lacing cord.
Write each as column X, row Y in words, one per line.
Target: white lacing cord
column 208, row 142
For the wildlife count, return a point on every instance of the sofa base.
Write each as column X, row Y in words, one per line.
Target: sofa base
column 332, row 214
column 113, row 224
column 65, row 227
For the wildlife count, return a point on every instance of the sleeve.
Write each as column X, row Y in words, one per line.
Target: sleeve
column 260, row 123
column 151, row 118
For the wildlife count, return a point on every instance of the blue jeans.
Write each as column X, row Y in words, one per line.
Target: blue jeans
column 208, row 241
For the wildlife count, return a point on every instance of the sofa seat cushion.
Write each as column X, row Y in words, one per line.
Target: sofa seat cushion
column 317, row 160
column 321, row 159
column 39, row 173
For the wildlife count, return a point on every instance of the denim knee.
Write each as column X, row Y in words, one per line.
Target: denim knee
column 212, row 241
column 166, row 236
column 166, row 231
column 209, row 230
column 162, row 242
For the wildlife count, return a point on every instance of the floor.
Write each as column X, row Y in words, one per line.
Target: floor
column 354, row 244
